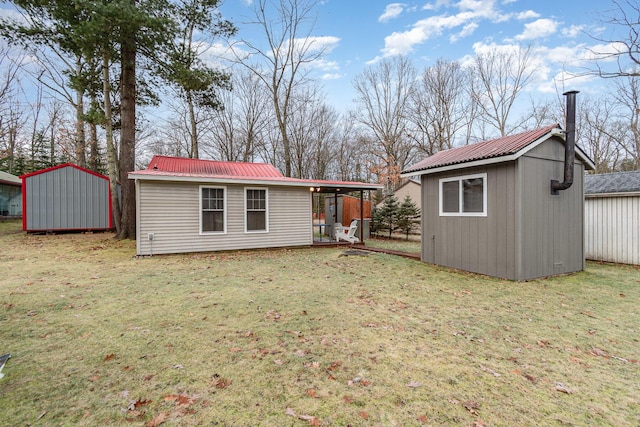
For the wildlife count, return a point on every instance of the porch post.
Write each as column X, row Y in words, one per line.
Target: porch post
column 362, row 216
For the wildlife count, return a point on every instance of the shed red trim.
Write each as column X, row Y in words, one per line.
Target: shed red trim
column 64, row 165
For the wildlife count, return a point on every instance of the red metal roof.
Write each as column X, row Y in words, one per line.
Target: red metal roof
column 185, row 169
column 212, row 167
column 499, row 147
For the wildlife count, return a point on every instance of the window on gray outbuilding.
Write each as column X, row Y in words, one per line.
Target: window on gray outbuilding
column 463, row 195
column 212, row 214
column 256, row 206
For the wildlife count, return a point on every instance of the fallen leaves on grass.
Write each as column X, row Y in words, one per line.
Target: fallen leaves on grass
column 221, row 383
column 109, row 357
column 471, row 406
column 314, row 421
column 158, row 419
column 414, row 384
column 363, row 415
column 181, row 399
column 138, row 403
column 334, row 365
column 562, row 388
column 491, row 371
column 597, row 352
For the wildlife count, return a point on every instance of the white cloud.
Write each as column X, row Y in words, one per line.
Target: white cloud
column 538, row 29
column 392, row 10
column 327, row 43
column 467, row 30
column 331, row 76
column 247, row 2
column 573, row 31
column 325, row 65
column 469, row 13
column 527, row 14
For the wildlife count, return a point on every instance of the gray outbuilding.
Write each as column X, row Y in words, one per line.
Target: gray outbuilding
column 66, row 198
column 612, row 217
column 490, row 208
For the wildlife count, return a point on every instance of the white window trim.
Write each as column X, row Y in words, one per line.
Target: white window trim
column 224, row 214
column 461, row 195
column 266, row 213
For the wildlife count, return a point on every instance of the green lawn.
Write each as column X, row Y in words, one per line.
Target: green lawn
column 306, row 337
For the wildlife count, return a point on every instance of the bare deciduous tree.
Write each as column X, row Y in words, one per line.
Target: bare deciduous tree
column 595, row 133
column 287, row 27
column 12, row 111
column 311, row 133
column 498, row 78
column 627, row 96
column 622, row 44
column 238, row 130
column 383, row 95
column 442, row 112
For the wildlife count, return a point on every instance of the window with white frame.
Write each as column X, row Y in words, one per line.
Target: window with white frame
column 464, row 195
column 256, row 215
column 213, row 210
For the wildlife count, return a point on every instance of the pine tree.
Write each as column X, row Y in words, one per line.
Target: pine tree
column 408, row 216
column 386, row 216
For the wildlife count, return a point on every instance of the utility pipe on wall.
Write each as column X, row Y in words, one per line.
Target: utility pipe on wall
column 569, row 145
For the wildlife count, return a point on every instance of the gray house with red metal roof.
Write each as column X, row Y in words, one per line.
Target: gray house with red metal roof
column 492, row 208
column 195, row 205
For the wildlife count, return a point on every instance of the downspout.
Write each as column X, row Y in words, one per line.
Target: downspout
column 569, row 145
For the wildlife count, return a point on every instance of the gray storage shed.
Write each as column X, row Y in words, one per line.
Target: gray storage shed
column 489, row 207
column 612, row 217
column 65, row 198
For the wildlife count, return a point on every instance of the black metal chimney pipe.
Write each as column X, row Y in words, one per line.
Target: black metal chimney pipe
column 569, row 145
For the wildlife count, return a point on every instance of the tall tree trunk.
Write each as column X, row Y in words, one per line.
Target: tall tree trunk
column 81, row 157
column 52, row 139
column 94, row 152
column 193, row 125
column 128, row 137
column 112, row 158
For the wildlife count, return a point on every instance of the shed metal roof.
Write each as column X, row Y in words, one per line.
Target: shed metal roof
column 8, row 179
column 618, row 182
column 64, row 165
column 211, row 167
column 491, row 151
column 165, row 168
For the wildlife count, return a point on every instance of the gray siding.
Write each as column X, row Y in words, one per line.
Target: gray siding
column 552, row 225
column 483, row 245
column 527, row 232
column 170, row 211
column 66, row 198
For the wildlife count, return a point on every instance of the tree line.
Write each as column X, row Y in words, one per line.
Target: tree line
column 116, row 82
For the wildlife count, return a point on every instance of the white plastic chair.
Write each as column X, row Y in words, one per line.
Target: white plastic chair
column 348, row 234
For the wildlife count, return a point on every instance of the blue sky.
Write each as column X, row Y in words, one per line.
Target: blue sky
column 359, row 33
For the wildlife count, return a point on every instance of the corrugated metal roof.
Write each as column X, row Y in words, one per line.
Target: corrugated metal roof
column 193, row 170
column 7, row 178
column 618, row 182
column 213, row 167
column 493, row 148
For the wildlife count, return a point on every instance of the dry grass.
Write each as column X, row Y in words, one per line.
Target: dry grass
column 397, row 243
column 307, row 336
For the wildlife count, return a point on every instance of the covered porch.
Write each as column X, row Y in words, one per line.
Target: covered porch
column 337, row 204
